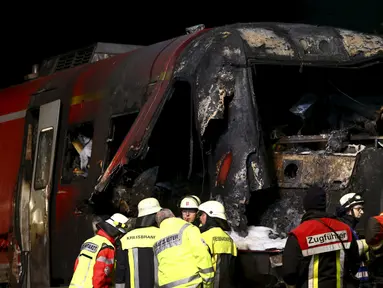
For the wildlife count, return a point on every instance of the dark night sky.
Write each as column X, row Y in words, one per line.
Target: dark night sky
column 41, row 32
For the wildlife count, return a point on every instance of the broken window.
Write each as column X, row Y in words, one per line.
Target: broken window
column 319, row 108
column 78, row 150
column 317, row 121
column 170, row 166
column 119, row 128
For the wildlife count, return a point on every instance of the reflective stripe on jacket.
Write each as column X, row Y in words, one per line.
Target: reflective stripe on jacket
column 135, row 265
column 182, row 255
column 94, row 264
column 362, row 274
column 223, row 251
column 327, row 262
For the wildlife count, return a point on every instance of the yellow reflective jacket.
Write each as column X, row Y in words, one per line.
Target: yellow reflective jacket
column 183, row 257
column 223, row 251
column 135, row 265
column 94, row 265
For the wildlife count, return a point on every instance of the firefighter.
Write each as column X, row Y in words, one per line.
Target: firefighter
column 182, row 255
column 222, row 248
column 349, row 212
column 96, row 220
column 134, row 256
column 315, row 256
column 374, row 238
column 189, row 208
column 94, row 264
column 350, row 209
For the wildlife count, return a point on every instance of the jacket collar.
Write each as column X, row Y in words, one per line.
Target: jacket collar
column 102, row 233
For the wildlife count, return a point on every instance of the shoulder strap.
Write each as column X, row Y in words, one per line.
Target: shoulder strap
column 329, row 227
column 344, row 248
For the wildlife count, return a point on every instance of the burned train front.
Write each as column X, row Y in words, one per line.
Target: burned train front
column 253, row 116
column 281, row 107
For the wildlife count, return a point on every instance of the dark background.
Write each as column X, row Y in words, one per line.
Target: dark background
column 32, row 32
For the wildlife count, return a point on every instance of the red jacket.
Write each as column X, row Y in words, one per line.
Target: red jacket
column 316, row 238
column 102, row 270
column 313, row 252
column 374, row 231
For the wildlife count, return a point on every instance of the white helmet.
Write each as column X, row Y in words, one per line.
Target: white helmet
column 213, row 209
column 351, row 199
column 190, row 202
column 148, row 206
column 119, row 221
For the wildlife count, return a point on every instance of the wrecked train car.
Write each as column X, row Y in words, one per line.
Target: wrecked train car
column 249, row 114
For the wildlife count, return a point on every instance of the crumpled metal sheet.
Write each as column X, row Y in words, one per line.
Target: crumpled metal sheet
column 211, row 104
column 212, row 58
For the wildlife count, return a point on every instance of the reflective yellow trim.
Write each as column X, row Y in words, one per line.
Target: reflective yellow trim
column 338, row 270
column 131, row 269
column 316, row 270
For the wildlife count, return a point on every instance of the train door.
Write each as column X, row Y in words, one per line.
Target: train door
column 44, row 159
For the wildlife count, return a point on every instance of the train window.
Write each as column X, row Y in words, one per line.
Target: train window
column 44, row 155
column 119, row 128
column 78, row 150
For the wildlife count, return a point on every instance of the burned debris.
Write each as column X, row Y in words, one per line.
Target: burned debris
column 168, row 166
column 265, row 115
column 328, row 118
column 319, row 123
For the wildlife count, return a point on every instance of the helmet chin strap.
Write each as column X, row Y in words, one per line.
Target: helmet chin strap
column 356, row 219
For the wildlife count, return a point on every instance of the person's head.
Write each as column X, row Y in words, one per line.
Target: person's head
column 212, row 210
column 189, row 207
column 115, row 226
column 162, row 215
column 96, row 220
column 352, row 203
column 315, row 199
column 147, row 210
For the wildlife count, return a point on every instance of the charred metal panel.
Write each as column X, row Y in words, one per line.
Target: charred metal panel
column 302, row 170
column 317, row 43
column 249, row 169
column 210, row 62
column 361, row 45
column 227, row 117
column 266, row 42
column 307, row 43
column 281, row 209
